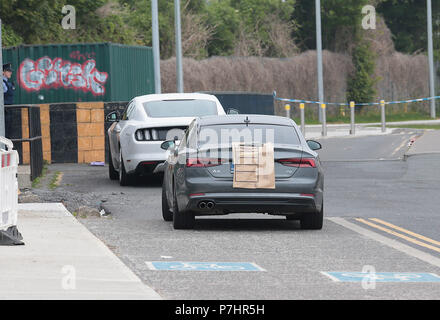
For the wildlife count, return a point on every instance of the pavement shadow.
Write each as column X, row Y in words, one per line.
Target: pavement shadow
column 246, row 225
column 147, row 181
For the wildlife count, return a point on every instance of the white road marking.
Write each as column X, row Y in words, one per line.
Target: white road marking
column 404, row 142
column 387, row 241
column 330, row 276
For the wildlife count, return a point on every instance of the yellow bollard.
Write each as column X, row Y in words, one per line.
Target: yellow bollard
column 352, row 121
column 324, row 120
column 382, row 115
column 287, row 108
column 303, row 124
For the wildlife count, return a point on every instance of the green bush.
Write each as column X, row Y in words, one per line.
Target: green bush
column 361, row 84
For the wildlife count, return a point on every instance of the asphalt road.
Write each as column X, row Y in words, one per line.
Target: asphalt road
column 358, row 185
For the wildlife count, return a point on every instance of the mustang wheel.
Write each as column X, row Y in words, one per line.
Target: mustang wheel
column 124, row 178
column 112, row 173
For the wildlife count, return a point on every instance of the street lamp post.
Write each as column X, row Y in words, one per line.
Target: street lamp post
column 179, row 71
column 319, row 55
column 156, row 51
column 431, row 59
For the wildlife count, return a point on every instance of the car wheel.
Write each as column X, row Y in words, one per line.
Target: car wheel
column 124, row 178
column 184, row 219
column 112, row 173
column 313, row 221
column 166, row 211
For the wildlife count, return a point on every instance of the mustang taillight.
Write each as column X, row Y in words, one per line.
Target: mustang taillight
column 298, row 162
column 146, row 135
column 204, row 162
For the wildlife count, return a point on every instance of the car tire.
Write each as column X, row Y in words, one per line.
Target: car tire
column 167, row 214
column 313, row 221
column 112, row 173
column 124, row 177
column 184, row 219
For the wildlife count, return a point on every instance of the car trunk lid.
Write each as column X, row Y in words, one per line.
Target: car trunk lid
column 218, row 161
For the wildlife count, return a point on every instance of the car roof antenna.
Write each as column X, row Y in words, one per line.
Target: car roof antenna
column 247, row 121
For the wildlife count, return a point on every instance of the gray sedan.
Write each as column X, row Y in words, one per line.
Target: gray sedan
column 199, row 171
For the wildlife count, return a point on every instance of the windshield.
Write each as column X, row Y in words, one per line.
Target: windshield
column 180, row 108
column 254, row 133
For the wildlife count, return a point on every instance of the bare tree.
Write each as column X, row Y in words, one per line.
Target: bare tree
column 195, row 34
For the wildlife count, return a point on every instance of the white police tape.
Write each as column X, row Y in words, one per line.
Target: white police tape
column 356, row 104
column 8, row 185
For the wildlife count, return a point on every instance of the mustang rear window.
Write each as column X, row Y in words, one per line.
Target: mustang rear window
column 180, row 108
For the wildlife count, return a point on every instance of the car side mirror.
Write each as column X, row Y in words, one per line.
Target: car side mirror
column 314, row 145
column 167, row 144
column 233, row 111
column 112, row 117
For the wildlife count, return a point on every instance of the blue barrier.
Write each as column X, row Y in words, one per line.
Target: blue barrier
column 356, row 104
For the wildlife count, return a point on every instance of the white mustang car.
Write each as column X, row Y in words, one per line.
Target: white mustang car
column 135, row 138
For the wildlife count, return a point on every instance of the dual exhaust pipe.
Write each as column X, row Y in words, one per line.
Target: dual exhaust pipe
column 206, row 205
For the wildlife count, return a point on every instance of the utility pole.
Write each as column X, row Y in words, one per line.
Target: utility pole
column 156, row 51
column 179, row 71
column 431, row 59
column 2, row 104
column 319, row 54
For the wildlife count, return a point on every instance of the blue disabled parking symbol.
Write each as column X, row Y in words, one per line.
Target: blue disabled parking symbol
column 382, row 276
column 203, row 266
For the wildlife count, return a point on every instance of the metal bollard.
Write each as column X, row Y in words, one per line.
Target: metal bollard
column 287, row 107
column 382, row 115
column 352, row 123
column 324, row 120
column 303, row 124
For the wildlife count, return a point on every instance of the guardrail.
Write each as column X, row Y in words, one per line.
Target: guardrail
column 352, row 106
column 8, row 185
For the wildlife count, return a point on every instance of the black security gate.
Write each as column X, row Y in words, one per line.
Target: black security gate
column 246, row 102
column 14, row 128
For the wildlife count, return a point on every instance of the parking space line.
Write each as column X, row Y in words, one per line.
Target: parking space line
column 421, row 237
column 398, row 245
column 203, row 266
column 394, row 233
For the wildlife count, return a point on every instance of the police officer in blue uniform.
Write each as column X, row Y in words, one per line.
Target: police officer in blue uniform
column 8, row 85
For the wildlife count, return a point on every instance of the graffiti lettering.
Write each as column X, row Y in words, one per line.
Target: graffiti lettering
column 82, row 56
column 46, row 73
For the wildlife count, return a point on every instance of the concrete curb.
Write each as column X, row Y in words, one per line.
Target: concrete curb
column 62, row 259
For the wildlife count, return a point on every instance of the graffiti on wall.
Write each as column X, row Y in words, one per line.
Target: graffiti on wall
column 47, row 73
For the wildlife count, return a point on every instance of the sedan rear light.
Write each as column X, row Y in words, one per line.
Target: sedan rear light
column 204, row 162
column 298, row 162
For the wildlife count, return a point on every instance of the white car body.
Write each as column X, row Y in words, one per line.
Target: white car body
column 123, row 144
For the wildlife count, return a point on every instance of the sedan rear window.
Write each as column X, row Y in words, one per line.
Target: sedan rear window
column 254, row 133
column 180, row 108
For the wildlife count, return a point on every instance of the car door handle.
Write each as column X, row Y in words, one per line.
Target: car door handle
column 117, row 130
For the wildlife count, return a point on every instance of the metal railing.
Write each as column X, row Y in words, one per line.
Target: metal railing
column 34, row 138
column 352, row 106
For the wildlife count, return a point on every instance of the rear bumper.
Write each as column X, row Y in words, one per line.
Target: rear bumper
column 272, row 203
column 143, row 157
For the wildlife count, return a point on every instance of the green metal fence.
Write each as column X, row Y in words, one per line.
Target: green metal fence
column 80, row 72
